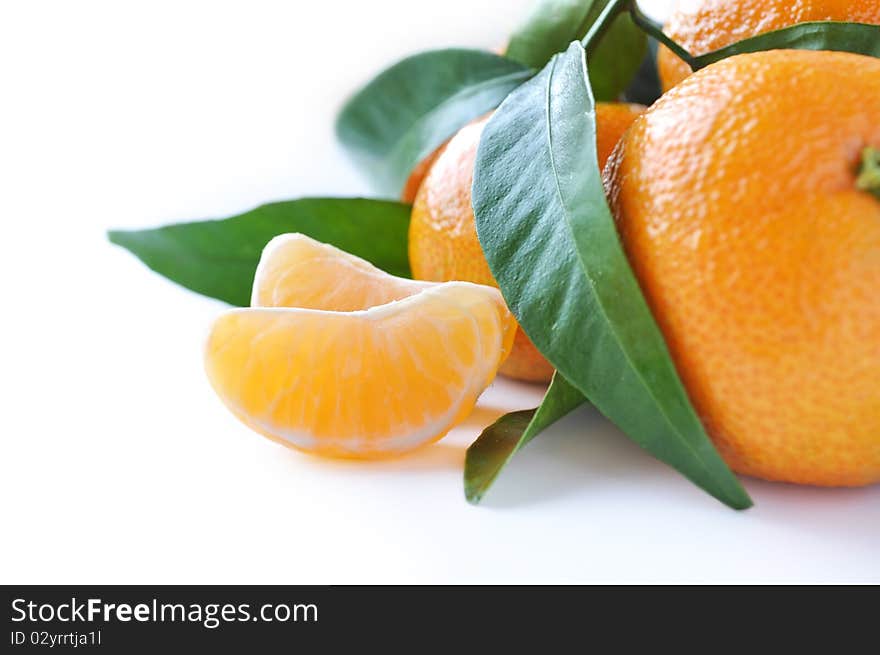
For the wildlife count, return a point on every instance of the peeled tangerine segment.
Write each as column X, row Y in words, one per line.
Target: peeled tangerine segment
column 297, row 271
column 342, row 359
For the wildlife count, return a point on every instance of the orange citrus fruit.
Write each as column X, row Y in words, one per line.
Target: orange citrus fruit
column 701, row 26
column 443, row 242
column 745, row 200
column 415, row 179
column 344, row 360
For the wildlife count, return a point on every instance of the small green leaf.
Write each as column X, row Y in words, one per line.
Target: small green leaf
column 549, row 28
column 857, row 38
column 218, row 258
column 409, row 110
column 552, row 245
column 498, row 443
column 555, row 23
column 617, row 57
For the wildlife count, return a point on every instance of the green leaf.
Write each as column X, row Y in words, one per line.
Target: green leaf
column 498, row 443
column 617, row 57
column 409, row 110
column 551, row 243
column 555, row 23
column 549, row 28
column 218, row 258
column 857, row 38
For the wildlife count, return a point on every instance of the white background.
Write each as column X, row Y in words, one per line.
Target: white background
column 120, row 466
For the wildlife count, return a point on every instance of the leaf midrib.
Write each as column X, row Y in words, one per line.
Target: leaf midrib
column 590, row 282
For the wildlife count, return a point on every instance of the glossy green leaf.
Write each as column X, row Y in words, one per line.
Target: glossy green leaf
column 218, row 258
column 555, row 23
column 409, row 110
column 552, row 245
column 498, row 443
column 857, row 38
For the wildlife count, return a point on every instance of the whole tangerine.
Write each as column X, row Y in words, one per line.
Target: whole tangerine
column 748, row 203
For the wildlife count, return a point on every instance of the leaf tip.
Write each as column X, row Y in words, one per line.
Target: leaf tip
column 735, row 497
column 473, row 496
column 742, row 503
column 121, row 238
column 473, row 490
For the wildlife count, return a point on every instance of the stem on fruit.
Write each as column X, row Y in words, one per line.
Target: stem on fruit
column 617, row 7
column 649, row 27
column 869, row 172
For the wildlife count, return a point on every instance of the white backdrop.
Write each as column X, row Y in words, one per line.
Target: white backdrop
column 120, row 466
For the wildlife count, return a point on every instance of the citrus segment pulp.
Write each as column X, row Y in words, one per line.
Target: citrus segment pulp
column 373, row 366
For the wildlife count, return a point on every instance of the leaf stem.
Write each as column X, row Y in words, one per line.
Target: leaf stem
column 649, row 27
column 612, row 10
column 869, row 173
